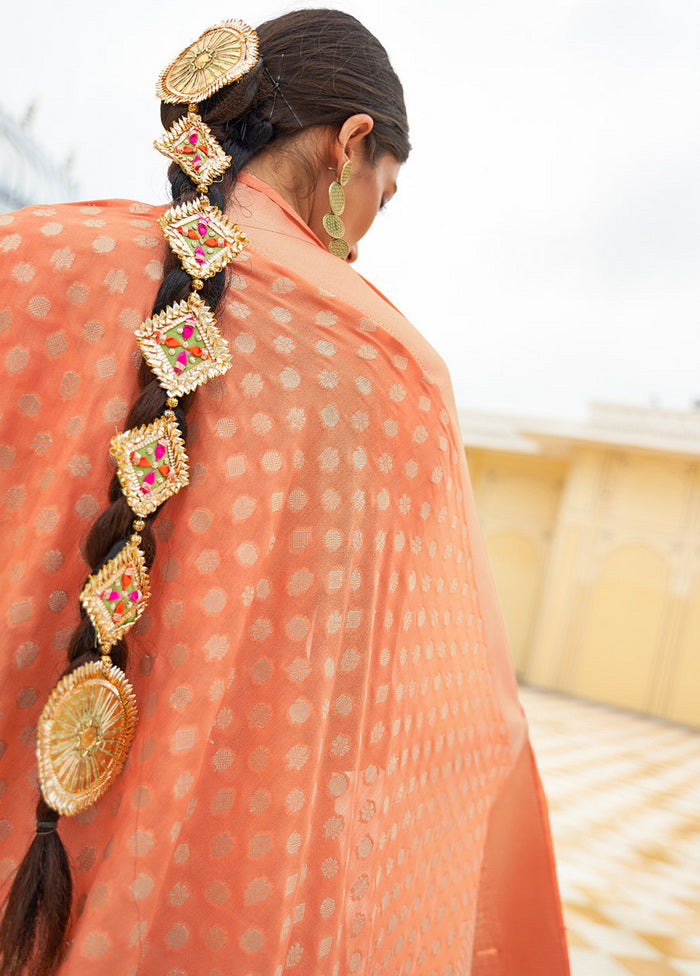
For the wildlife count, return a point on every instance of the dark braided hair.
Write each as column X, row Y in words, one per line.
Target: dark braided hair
column 318, row 67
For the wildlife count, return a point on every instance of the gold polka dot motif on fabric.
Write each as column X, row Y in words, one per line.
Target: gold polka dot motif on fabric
column 400, row 811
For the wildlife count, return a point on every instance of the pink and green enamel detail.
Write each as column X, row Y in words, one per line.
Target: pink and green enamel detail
column 183, row 346
column 197, row 150
column 202, row 236
column 117, row 595
column 191, row 144
column 151, row 464
column 122, row 598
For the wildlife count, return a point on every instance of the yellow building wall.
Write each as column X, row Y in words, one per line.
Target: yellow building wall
column 596, row 557
column 518, row 498
column 684, row 671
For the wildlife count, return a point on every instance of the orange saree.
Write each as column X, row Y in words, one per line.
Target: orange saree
column 331, row 772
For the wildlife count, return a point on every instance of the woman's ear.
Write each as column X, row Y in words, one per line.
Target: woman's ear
column 350, row 139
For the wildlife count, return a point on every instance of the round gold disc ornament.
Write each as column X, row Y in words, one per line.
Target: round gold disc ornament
column 333, row 225
column 340, row 248
column 345, row 173
column 336, row 197
column 221, row 55
column 84, row 735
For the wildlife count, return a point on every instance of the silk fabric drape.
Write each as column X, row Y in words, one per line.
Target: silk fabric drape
column 331, row 772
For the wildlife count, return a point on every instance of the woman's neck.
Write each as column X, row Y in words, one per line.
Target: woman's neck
column 282, row 172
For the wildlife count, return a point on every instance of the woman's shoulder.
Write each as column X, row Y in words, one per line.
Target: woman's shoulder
column 83, row 219
column 65, row 265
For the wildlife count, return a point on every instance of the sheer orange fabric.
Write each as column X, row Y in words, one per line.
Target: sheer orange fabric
column 331, row 772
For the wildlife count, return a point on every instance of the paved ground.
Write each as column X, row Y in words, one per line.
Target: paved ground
column 624, row 797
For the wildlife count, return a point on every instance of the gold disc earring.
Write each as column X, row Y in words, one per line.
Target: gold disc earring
column 332, row 223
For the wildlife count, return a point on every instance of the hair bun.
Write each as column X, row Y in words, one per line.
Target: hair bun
column 259, row 134
column 246, row 136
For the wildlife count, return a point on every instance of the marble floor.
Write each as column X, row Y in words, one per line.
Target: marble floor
column 624, row 798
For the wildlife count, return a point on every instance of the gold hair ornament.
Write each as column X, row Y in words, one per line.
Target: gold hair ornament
column 203, row 238
column 190, row 144
column 221, row 55
column 183, row 346
column 151, row 463
column 86, row 727
column 117, row 595
column 84, row 735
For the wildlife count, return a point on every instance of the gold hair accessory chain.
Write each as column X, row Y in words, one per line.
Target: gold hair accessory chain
column 87, row 725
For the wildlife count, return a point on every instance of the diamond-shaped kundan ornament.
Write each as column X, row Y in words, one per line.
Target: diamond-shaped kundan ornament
column 117, row 595
column 151, row 464
column 183, row 346
column 191, row 144
column 203, row 238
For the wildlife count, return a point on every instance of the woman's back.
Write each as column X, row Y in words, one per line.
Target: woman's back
column 321, row 732
column 330, row 772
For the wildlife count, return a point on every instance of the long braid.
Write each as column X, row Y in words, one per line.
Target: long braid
column 38, row 905
column 306, row 48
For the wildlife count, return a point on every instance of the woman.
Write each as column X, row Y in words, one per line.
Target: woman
column 330, row 771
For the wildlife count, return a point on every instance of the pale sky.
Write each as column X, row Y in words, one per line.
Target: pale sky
column 545, row 237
